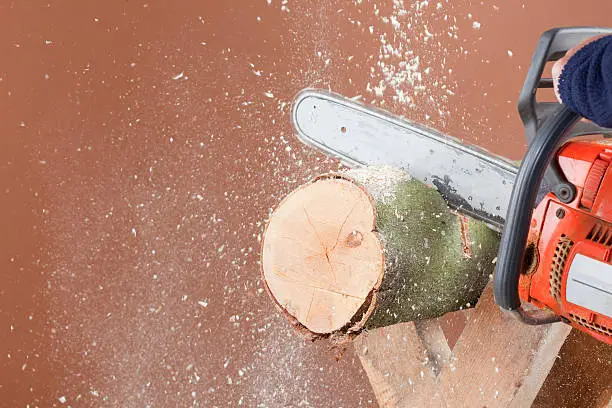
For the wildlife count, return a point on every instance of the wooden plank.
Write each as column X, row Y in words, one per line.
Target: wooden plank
column 434, row 340
column 398, row 367
column 499, row 361
column 496, row 362
column 542, row 360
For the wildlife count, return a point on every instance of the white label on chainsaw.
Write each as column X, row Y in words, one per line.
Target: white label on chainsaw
column 589, row 284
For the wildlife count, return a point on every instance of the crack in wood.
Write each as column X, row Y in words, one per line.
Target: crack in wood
column 331, row 268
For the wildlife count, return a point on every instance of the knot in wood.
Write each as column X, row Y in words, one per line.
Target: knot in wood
column 353, row 239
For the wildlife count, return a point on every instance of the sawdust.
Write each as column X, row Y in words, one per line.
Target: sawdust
column 379, row 181
column 412, row 66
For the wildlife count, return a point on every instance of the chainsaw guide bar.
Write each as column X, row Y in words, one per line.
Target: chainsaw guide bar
column 473, row 181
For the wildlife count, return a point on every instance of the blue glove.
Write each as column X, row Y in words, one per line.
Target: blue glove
column 585, row 84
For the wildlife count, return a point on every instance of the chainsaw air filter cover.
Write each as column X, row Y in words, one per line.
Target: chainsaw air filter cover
column 568, row 262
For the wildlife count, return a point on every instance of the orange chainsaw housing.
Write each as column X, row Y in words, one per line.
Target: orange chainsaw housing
column 561, row 231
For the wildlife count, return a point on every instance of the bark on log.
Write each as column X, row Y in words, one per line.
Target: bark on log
column 370, row 248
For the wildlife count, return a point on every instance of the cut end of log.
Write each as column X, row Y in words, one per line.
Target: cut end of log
column 370, row 249
column 321, row 258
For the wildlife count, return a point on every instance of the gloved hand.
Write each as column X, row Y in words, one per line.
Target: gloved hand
column 583, row 80
column 560, row 64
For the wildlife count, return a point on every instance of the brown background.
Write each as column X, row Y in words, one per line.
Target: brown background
column 131, row 202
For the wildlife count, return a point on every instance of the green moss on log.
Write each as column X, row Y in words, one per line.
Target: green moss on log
column 429, row 271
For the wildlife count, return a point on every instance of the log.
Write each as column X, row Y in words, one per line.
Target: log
column 369, row 248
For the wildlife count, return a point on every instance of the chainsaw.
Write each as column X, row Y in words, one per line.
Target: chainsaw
column 555, row 258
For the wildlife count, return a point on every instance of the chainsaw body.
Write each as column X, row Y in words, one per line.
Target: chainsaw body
column 556, row 246
column 568, row 261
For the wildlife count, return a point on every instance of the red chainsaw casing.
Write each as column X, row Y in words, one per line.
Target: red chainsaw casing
column 561, row 231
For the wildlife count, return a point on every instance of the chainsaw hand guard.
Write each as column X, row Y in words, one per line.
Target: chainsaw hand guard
column 513, row 243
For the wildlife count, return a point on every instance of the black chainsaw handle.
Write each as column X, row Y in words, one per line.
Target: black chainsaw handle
column 550, row 137
column 552, row 46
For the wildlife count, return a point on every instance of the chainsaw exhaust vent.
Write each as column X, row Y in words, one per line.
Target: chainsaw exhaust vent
column 592, row 326
column 558, row 265
column 600, row 234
